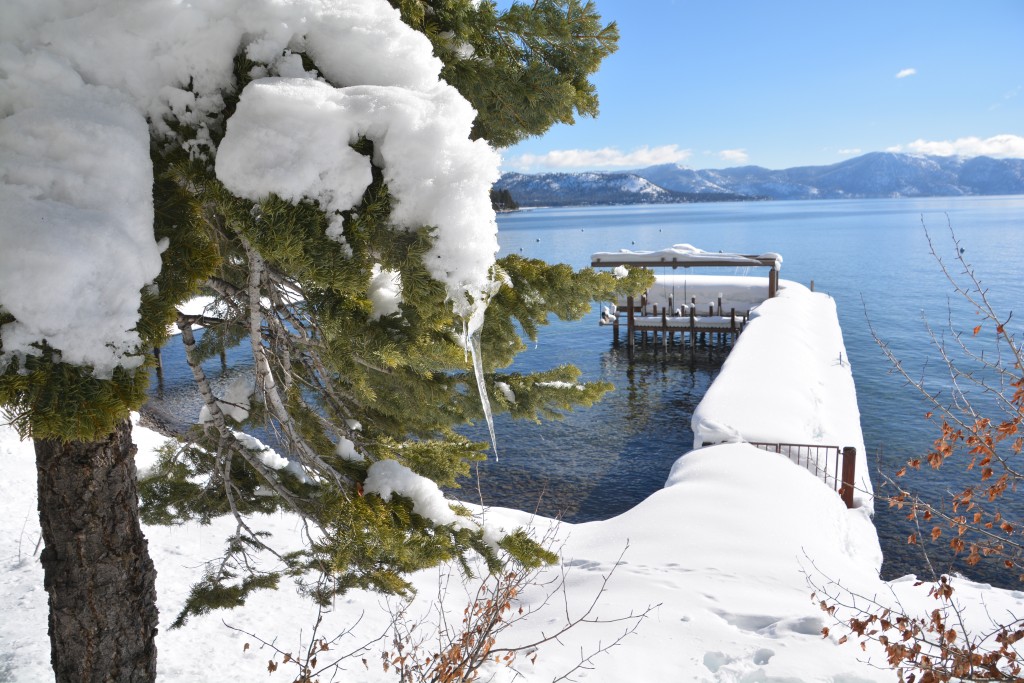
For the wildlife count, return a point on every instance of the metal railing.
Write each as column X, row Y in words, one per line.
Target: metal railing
column 833, row 465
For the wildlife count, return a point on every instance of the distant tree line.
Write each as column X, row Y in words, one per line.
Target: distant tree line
column 502, row 200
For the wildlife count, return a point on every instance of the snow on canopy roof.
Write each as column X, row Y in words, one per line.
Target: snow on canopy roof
column 685, row 255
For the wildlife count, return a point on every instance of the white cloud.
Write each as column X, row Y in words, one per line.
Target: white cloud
column 1007, row 96
column 906, row 72
column 592, row 159
column 734, row 156
column 999, row 146
column 851, row 151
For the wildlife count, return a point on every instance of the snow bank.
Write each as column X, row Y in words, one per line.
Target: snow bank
column 722, row 551
column 723, row 558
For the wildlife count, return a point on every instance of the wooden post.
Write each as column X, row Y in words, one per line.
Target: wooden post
column 719, row 304
column 654, row 333
column 664, row 329
column 849, row 471
column 693, row 325
column 773, row 283
column 615, row 330
column 630, row 322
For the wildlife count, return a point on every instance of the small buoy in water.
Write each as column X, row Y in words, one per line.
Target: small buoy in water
column 538, row 239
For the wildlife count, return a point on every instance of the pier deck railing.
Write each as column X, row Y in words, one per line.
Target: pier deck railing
column 834, row 465
column 685, row 320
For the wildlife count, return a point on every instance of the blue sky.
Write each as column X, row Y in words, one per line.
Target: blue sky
column 784, row 83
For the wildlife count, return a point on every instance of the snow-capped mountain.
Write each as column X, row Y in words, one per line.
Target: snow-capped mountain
column 878, row 174
column 558, row 189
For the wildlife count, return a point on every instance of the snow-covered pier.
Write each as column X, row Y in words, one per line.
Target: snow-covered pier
column 795, row 341
column 699, row 308
column 787, row 383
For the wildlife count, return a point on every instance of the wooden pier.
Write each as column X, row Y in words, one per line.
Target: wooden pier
column 713, row 326
column 659, row 316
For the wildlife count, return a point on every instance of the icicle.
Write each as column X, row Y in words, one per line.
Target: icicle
column 473, row 348
column 472, row 313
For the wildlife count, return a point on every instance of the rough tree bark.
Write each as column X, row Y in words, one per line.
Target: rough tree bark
column 97, row 570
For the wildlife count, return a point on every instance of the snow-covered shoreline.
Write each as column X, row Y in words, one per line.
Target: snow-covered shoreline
column 723, row 551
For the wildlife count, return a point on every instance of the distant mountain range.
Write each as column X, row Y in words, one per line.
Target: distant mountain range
column 879, row 174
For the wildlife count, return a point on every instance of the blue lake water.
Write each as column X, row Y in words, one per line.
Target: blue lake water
column 871, row 255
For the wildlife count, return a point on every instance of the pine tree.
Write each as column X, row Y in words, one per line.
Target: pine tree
column 524, row 68
column 347, row 388
column 502, row 200
column 97, row 570
column 350, row 385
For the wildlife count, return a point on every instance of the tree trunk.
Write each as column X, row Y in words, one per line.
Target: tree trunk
column 97, row 569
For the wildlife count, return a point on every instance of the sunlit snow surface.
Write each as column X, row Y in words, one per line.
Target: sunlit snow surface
column 723, row 550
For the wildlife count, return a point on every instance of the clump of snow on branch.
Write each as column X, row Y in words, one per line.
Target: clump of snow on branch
column 83, row 86
column 389, row 477
column 346, row 450
column 506, row 391
column 291, row 137
column 75, row 186
column 385, row 292
column 558, row 384
column 268, row 456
